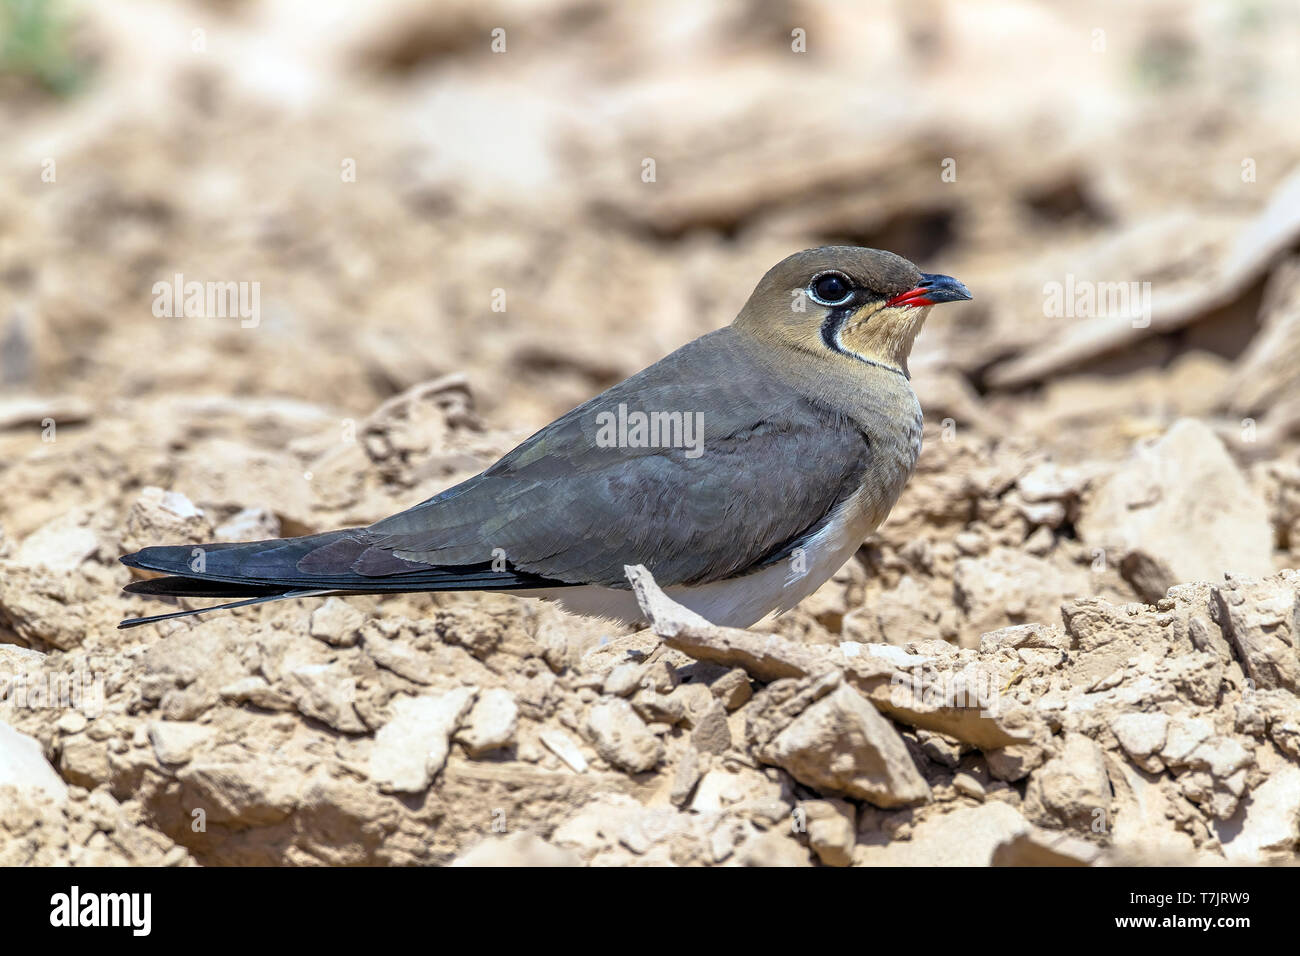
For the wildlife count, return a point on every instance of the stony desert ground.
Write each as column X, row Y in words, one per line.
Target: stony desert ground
column 1074, row 642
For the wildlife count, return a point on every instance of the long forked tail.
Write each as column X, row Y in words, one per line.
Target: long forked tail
column 203, row 587
column 155, row 618
column 336, row 562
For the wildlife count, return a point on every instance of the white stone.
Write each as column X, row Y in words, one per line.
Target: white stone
column 336, row 622
column 492, row 722
column 23, row 765
column 564, row 747
column 412, row 747
column 1186, row 508
column 174, row 741
column 841, row 744
column 1265, row 827
column 966, row 837
column 1140, row 734
column 622, row 738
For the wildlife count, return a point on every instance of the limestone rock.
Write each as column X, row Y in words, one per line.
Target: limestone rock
column 174, row 741
column 517, row 849
column 623, row 680
column 1014, row 762
column 685, row 777
column 564, row 747
column 711, row 733
column 412, row 747
column 23, row 766
column 1073, row 787
column 1026, row 636
column 774, row 848
column 1191, row 611
column 248, row 524
column 732, row 688
column 84, row 762
column 841, row 744
column 1142, row 736
column 1182, row 737
column 336, row 622
column 968, row 785
column 1266, row 828
column 165, row 517
column 743, row 790
column 1144, row 826
column 1038, row 847
column 696, row 702
column 832, row 830
column 398, row 657
column 323, row 692
column 1007, row 586
column 1262, row 619
column 966, row 837
column 60, row 545
column 659, row 708
column 258, row 692
column 1184, row 510
column 1269, row 370
column 621, row 738
column 240, row 793
column 491, row 724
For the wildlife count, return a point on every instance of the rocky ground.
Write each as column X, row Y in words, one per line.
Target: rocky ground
column 1073, row 642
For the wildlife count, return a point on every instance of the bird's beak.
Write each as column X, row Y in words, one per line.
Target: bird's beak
column 931, row 290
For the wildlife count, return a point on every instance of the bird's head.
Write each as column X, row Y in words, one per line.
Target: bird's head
column 846, row 302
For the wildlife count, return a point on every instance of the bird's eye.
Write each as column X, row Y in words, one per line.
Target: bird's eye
column 830, row 288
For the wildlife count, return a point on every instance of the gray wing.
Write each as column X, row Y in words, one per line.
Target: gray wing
column 772, row 468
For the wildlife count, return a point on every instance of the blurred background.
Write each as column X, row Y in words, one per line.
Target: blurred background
column 452, row 222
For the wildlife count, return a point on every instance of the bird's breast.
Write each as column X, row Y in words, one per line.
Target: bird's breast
column 893, row 425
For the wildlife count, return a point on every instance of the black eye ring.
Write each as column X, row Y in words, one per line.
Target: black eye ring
column 830, row 288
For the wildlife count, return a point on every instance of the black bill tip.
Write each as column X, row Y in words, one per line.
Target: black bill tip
column 939, row 288
column 931, row 290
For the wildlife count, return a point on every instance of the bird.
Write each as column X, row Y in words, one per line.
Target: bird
column 742, row 470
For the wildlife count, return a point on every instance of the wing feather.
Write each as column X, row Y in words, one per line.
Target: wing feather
column 771, row 469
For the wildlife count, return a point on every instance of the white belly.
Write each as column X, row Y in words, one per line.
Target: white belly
column 745, row 600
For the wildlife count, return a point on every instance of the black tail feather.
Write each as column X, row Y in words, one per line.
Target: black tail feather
column 261, row 571
column 202, row 587
column 154, row 619
column 332, row 559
